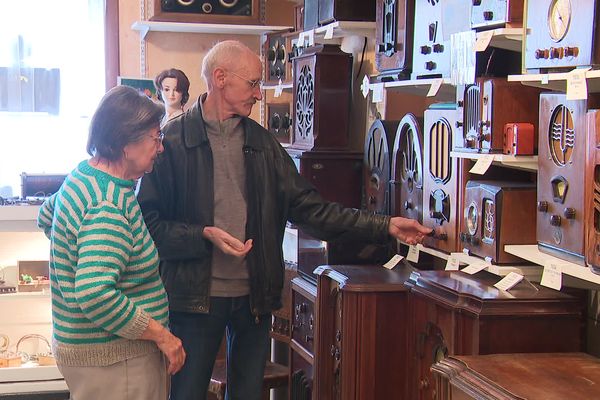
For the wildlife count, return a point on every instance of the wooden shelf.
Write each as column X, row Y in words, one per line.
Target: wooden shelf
column 22, row 218
column 505, row 38
column 335, row 31
column 531, row 253
column 557, row 81
column 529, row 163
column 185, row 27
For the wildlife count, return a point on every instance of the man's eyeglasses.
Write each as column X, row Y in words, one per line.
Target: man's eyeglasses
column 257, row 83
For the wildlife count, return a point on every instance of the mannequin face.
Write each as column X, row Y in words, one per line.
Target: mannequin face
column 169, row 94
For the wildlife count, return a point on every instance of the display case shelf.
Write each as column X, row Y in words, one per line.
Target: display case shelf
column 532, row 254
column 276, row 86
column 505, row 38
column 186, row 27
column 529, row 163
column 336, row 31
column 557, row 81
column 20, row 218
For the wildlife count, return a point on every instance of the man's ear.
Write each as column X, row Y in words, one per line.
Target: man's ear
column 219, row 76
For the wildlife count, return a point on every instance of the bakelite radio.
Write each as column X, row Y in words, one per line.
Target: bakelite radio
column 486, row 107
column 322, row 92
column 592, row 193
column 407, row 169
column 278, row 52
column 561, row 34
column 520, row 139
column 377, row 165
column 444, row 178
column 279, row 121
column 346, row 10
column 562, row 160
column 210, row 11
column 495, row 214
column 394, row 37
column 487, row 14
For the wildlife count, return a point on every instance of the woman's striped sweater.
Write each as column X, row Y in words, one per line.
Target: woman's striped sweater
column 103, row 270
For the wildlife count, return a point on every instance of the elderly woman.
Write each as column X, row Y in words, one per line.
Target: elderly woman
column 173, row 87
column 109, row 305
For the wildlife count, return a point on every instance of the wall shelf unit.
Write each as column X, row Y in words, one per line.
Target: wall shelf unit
column 185, row 27
column 557, row 81
column 22, row 218
column 504, row 38
column 529, row 163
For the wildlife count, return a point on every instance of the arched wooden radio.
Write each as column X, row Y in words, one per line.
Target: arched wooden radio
column 394, row 37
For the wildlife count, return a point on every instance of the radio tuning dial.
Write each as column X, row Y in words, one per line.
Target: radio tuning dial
column 425, row 49
column 488, row 15
column 430, row 65
column 542, row 206
column 555, row 220
column 569, row 213
column 542, row 53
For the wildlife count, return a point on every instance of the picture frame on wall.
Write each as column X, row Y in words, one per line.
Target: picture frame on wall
column 143, row 85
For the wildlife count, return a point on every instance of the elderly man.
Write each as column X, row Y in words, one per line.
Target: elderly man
column 216, row 205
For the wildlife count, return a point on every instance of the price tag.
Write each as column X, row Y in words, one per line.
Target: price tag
column 278, row 89
column 301, row 39
column 393, row 261
column 482, row 164
column 366, row 86
column 475, row 268
column 377, row 92
column 311, row 37
column 545, row 79
column 435, row 87
column 483, row 40
column 552, row 276
column 509, row 281
column 453, row 263
column 577, row 84
column 329, row 32
column 413, row 254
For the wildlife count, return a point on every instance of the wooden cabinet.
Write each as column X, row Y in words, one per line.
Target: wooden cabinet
column 559, row 376
column 454, row 313
column 361, row 347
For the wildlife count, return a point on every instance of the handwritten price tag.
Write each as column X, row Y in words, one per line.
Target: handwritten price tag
column 453, row 264
column 377, row 92
column 435, row 87
column 413, row 254
column 509, row 281
column 393, row 261
column 472, row 269
column 552, row 276
column 482, row 164
column 577, row 85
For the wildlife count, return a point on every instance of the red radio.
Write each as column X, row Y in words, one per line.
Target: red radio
column 519, row 139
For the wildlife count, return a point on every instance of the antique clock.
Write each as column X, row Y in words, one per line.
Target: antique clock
column 377, row 164
column 592, row 193
column 209, row 11
column 346, row 10
column 444, row 178
column 486, row 107
column 279, row 121
column 561, row 34
column 454, row 313
column 278, row 52
column 394, row 37
column 562, row 159
column 498, row 213
column 407, row 169
column 486, row 14
column 322, row 92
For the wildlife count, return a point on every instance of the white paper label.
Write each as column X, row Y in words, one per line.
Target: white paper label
column 366, row 86
column 577, row 85
column 453, row 264
column 545, row 79
column 482, row 164
column 552, row 276
column 393, row 261
column 475, row 268
column 311, row 38
column 435, row 87
column 483, row 40
column 329, row 32
column 377, row 92
column 509, row 281
column 278, row 89
column 413, row 254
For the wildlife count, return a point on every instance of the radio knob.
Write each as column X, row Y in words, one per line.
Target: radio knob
column 275, row 121
column 460, row 103
column 459, row 124
column 476, row 2
column 463, row 237
column 555, row 220
column 474, row 241
column 381, row 48
column 442, row 236
column 542, row 206
column 271, row 55
column 280, row 53
column 554, row 53
column 438, row 48
column 569, row 213
column 542, row 53
column 425, row 49
column 430, row 65
column 287, row 122
column 571, row 51
column 408, row 205
column 488, row 15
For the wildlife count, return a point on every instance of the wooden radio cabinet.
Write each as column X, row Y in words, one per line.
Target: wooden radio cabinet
column 560, row 191
column 322, row 78
column 379, row 143
column 548, row 376
column 498, row 213
column 454, row 313
column 487, row 106
column 362, row 328
column 346, row 10
column 561, row 34
column 489, row 14
column 278, row 52
column 407, row 169
column 592, row 192
column 279, row 121
column 394, row 37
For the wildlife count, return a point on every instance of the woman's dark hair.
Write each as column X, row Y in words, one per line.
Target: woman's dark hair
column 183, row 83
column 123, row 116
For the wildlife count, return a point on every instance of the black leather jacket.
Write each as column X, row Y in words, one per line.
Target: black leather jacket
column 177, row 202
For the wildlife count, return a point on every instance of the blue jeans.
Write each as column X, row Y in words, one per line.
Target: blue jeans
column 201, row 335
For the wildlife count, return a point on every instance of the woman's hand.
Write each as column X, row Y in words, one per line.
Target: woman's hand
column 227, row 243
column 168, row 344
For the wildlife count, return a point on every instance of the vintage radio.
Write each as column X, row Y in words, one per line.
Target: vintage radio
column 562, row 160
column 209, row 11
column 278, row 49
column 592, row 193
column 346, row 10
column 322, row 92
column 407, row 169
column 444, row 178
column 302, row 355
column 377, row 164
column 561, row 34
column 486, row 107
column 486, row 14
column 498, row 213
column 40, row 185
column 520, row 139
column 394, row 37
column 454, row 313
column 279, row 121
column 362, row 351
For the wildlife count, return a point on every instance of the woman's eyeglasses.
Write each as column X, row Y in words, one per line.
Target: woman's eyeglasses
column 158, row 139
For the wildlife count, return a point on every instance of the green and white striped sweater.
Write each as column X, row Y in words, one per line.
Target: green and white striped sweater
column 103, row 270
